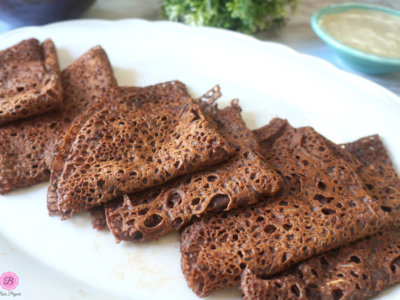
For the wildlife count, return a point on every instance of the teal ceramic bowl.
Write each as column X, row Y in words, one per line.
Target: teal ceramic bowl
column 356, row 59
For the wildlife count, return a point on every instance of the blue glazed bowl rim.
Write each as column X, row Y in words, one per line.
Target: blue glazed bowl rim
column 326, row 37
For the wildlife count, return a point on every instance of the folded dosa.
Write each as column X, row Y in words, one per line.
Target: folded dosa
column 242, row 180
column 324, row 203
column 26, row 146
column 143, row 138
column 355, row 271
column 30, row 80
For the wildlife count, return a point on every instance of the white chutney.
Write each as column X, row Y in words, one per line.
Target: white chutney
column 370, row 31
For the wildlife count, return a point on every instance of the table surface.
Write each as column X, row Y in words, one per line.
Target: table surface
column 297, row 34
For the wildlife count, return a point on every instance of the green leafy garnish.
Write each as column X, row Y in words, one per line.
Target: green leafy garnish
column 247, row 16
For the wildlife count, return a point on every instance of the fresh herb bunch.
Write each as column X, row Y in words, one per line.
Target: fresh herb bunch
column 247, row 16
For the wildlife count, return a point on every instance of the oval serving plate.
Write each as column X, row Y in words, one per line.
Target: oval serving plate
column 269, row 79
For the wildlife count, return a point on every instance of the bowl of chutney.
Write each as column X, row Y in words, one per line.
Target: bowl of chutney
column 365, row 37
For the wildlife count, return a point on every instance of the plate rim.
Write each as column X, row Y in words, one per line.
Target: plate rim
column 391, row 96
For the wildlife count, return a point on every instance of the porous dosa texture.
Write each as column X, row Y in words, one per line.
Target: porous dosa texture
column 242, row 180
column 356, row 271
column 26, row 146
column 30, row 80
column 323, row 204
column 142, row 139
column 99, row 221
column 371, row 152
column 63, row 146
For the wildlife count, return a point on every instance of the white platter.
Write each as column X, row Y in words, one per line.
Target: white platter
column 70, row 260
